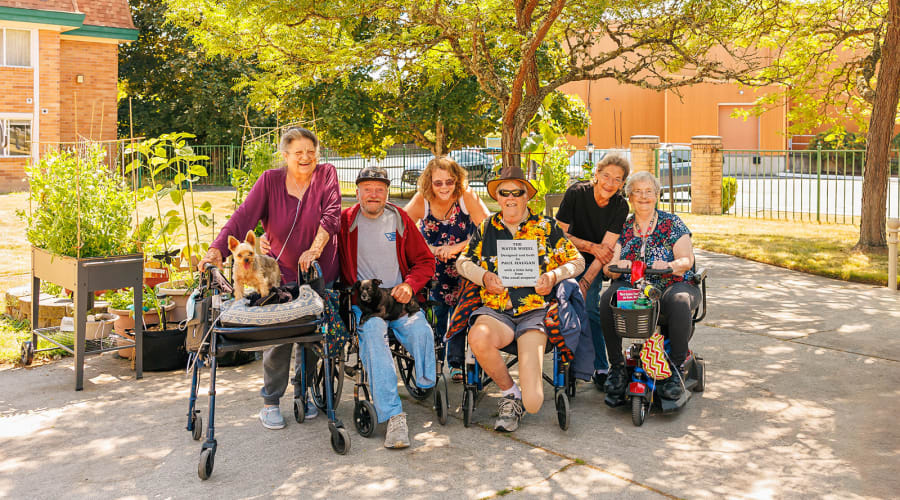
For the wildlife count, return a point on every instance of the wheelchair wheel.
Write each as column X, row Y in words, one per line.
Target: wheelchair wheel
column 299, row 411
column 196, row 427
column 337, row 382
column 364, row 418
column 639, row 409
column 468, row 406
column 563, row 413
column 340, row 440
column 207, row 461
column 570, row 381
column 441, row 405
column 406, row 366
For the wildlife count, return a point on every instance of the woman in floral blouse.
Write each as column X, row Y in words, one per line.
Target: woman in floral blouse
column 661, row 240
column 515, row 312
column 447, row 212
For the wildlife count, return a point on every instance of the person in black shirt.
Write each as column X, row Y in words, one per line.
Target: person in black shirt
column 592, row 214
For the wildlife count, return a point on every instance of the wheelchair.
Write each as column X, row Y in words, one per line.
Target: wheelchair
column 562, row 381
column 639, row 325
column 215, row 339
column 364, row 414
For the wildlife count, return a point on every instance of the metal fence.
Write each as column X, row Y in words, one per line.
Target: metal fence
column 810, row 185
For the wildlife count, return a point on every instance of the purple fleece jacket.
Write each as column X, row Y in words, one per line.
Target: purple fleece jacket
column 270, row 203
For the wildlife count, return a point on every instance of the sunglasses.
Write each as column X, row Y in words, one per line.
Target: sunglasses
column 448, row 183
column 515, row 193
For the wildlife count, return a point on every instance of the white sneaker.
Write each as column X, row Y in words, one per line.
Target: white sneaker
column 511, row 411
column 397, row 435
column 271, row 418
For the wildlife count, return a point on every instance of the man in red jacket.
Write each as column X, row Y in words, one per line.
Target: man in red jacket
column 378, row 240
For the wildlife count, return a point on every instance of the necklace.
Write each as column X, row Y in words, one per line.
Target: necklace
column 644, row 234
column 446, row 212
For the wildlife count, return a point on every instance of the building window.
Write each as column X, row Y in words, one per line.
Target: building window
column 15, row 137
column 15, row 47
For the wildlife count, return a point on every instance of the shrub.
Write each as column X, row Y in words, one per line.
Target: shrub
column 72, row 195
column 729, row 193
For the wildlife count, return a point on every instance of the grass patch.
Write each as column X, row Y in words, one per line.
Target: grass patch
column 821, row 249
column 13, row 332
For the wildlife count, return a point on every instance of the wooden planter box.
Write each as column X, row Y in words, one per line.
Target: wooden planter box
column 85, row 276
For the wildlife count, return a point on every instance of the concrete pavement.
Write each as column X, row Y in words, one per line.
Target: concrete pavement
column 801, row 401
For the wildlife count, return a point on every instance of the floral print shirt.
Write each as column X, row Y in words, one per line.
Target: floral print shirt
column 554, row 250
column 669, row 228
column 456, row 228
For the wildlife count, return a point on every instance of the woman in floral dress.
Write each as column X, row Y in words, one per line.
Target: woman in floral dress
column 447, row 212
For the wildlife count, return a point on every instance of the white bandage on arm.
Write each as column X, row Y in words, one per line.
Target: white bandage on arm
column 570, row 269
column 470, row 270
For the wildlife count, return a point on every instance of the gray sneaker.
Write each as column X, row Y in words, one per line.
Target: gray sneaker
column 397, row 435
column 511, row 411
column 271, row 418
column 311, row 410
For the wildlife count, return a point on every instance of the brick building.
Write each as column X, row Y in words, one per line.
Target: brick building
column 58, row 73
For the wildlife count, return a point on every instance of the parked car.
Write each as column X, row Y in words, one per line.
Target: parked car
column 479, row 165
column 681, row 169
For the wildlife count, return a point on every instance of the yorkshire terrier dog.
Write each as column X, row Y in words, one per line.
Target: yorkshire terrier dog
column 252, row 268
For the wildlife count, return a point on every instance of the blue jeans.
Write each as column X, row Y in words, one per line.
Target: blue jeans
column 456, row 347
column 592, row 301
column 415, row 334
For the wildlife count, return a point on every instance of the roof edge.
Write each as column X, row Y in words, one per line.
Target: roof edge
column 35, row 16
column 124, row 34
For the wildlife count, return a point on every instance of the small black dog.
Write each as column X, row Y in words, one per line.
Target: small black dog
column 375, row 301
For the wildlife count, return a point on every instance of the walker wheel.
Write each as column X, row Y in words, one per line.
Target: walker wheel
column 364, row 418
column 563, row 413
column 299, row 411
column 639, row 410
column 468, row 406
column 441, row 405
column 340, row 440
column 207, row 460
column 196, row 427
column 27, row 356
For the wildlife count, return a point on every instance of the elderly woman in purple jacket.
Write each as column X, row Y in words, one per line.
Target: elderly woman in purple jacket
column 299, row 206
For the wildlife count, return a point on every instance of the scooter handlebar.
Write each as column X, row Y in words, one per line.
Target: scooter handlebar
column 647, row 272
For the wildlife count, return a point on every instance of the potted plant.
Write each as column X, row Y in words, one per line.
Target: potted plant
column 173, row 168
column 79, row 225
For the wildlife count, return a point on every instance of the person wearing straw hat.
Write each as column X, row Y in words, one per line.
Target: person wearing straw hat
column 516, row 280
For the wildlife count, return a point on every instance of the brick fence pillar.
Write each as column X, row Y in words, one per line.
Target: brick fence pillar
column 643, row 153
column 706, row 175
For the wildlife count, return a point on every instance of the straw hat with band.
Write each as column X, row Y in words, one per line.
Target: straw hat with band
column 513, row 173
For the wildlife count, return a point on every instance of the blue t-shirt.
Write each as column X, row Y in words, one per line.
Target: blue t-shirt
column 669, row 228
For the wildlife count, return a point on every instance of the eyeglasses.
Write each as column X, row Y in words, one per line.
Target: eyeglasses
column 515, row 193
column 606, row 178
column 645, row 193
column 449, row 183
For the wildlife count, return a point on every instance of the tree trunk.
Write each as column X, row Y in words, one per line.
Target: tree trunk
column 439, row 139
column 511, row 144
column 881, row 129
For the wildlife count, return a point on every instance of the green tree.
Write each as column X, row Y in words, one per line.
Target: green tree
column 519, row 52
column 174, row 87
column 840, row 62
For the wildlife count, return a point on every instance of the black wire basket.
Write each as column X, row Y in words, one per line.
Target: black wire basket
column 635, row 323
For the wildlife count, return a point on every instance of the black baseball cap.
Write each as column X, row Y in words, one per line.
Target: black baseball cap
column 373, row 174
